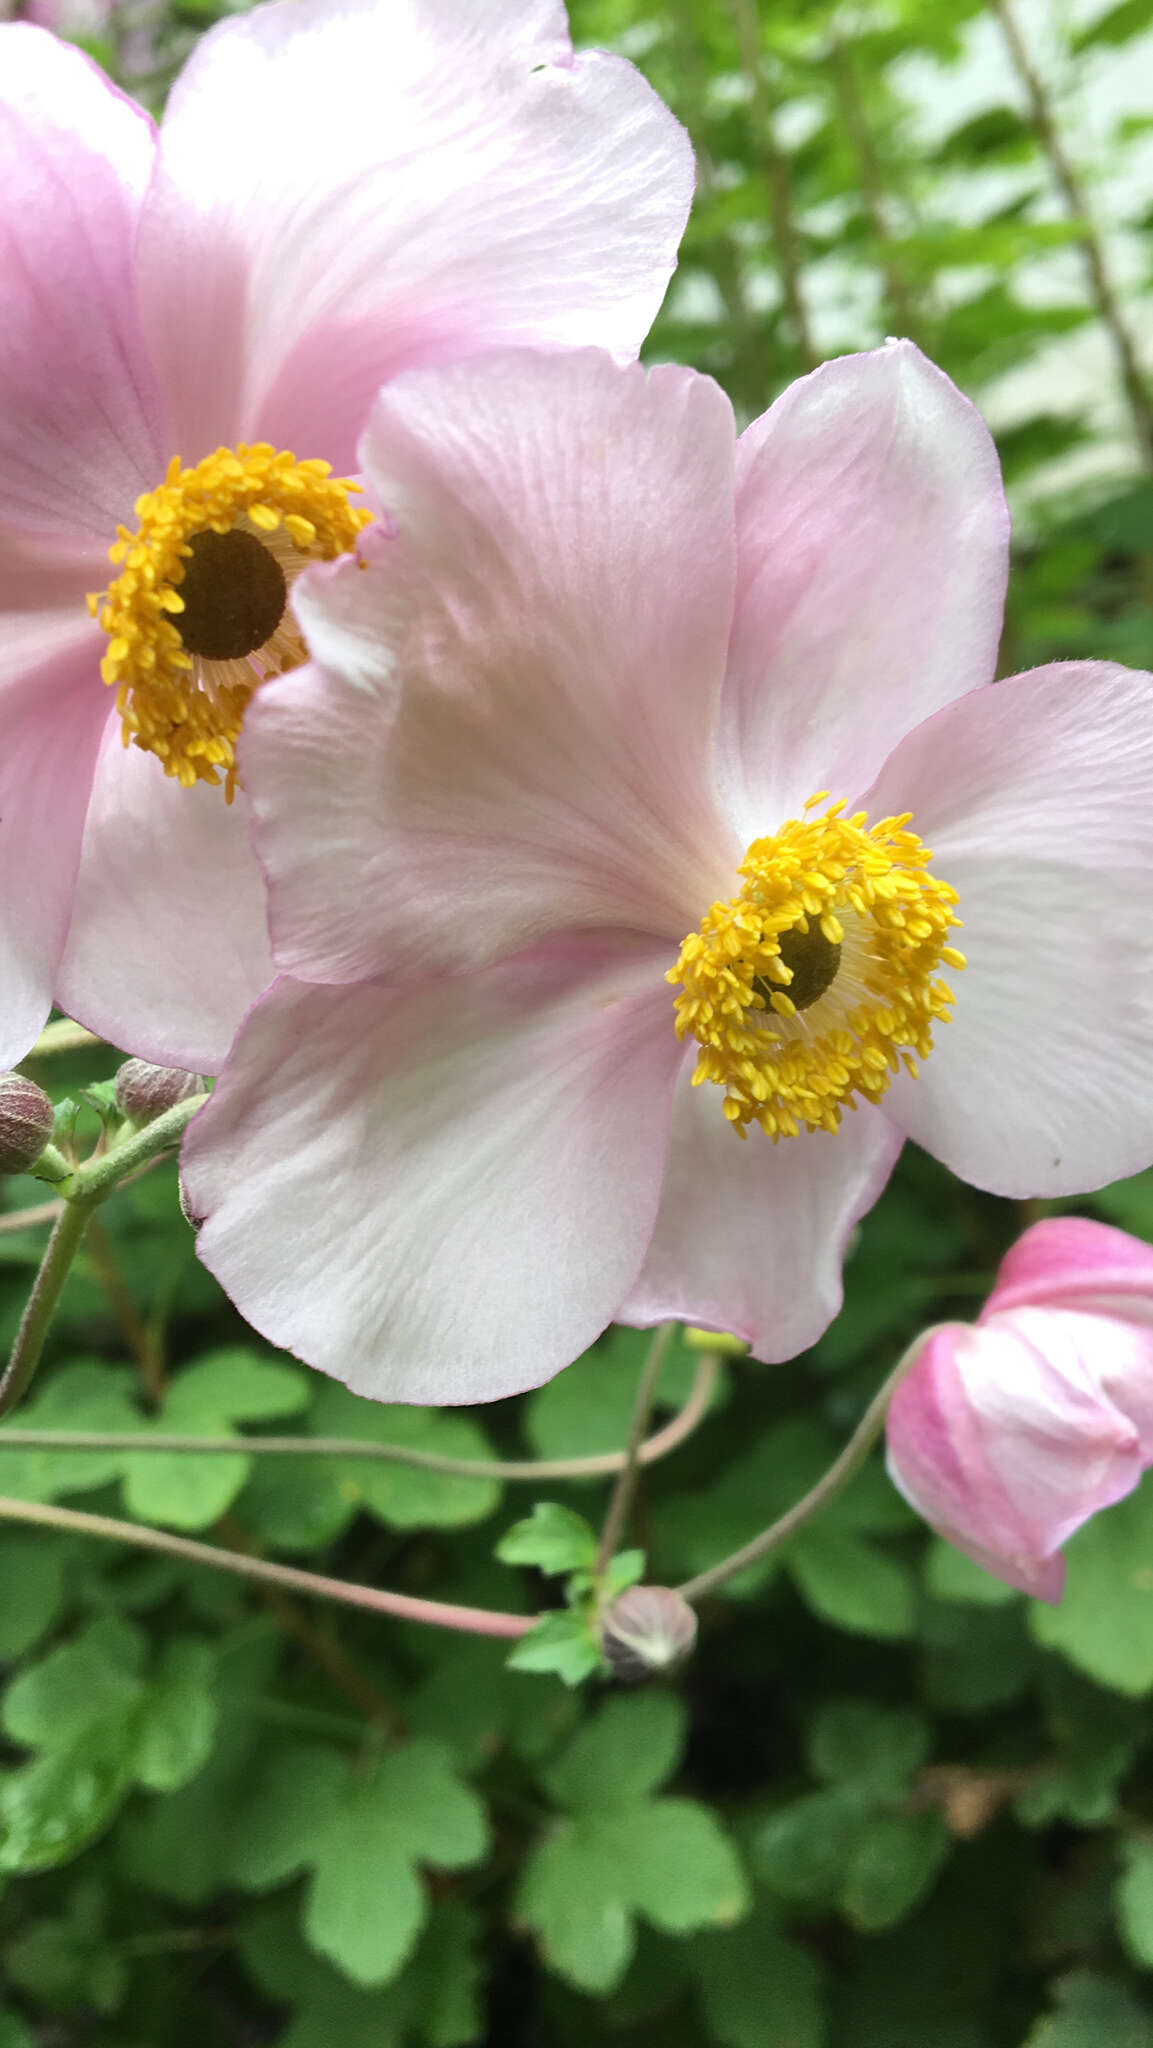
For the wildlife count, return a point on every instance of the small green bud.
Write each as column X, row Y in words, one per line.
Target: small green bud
column 144, row 1092
column 27, row 1121
column 650, row 1629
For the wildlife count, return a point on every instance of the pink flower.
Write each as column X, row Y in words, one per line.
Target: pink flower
column 341, row 188
column 512, row 800
column 1008, row 1435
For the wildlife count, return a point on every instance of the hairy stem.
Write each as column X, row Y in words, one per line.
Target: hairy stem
column 62, row 1036
column 40, row 1307
column 622, row 1493
column 603, row 1465
column 403, row 1606
column 838, row 1475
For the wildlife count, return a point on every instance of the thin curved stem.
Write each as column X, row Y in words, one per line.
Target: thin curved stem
column 622, row 1493
column 838, row 1475
column 601, row 1466
column 27, row 1219
column 403, row 1606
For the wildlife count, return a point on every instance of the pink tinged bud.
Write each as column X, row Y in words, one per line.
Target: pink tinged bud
column 650, row 1629
column 1007, row 1436
column 27, row 1121
column 144, row 1092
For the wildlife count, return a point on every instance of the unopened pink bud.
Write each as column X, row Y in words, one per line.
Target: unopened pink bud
column 647, row 1630
column 27, row 1120
column 1008, row 1434
column 144, row 1092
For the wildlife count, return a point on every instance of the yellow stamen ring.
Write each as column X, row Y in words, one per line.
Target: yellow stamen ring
column 235, row 531
column 815, row 985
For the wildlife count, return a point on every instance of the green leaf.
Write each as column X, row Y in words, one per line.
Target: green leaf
column 554, row 1539
column 67, row 1962
column 951, row 1576
column 178, row 1717
column 404, row 1496
column 1096, row 2012
column 32, row 1593
column 851, row 1583
column 891, row 1865
column 208, row 1398
column 571, row 1899
column 667, row 1859
column 295, row 1796
column 1104, row 1624
column 87, row 1394
column 877, row 1751
column 366, row 1903
column 1134, row 1896
column 629, row 1748
column 803, row 1849
column 562, row 1643
column 1117, row 25
column 678, row 1866
column 59, row 1697
column 758, row 1988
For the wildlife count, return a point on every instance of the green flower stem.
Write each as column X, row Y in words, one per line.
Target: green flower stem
column 98, row 1176
column 838, row 1475
column 622, row 1493
column 62, row 1036
column 40, row 1308
column 603, row 1465
column 478, row 1621
column 82, row 1191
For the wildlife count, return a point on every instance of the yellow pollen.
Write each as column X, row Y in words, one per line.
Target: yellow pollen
column 815, row 985
column 200, row 614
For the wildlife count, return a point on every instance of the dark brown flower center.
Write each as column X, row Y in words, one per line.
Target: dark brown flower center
column 814, row 961
column 234, row 595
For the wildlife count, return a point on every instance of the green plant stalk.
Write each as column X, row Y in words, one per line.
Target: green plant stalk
column 842, row 1469
column 62, row 1036
column 621, row 1498
column 1076, row 199
column 599, row 1466
column 40, row 1307
column 82, row 1191
column 479, row 1621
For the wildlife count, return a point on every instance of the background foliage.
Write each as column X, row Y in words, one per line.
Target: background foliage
column 892, row 1805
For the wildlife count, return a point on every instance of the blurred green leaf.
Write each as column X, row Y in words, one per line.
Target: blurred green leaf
column 553, row 1538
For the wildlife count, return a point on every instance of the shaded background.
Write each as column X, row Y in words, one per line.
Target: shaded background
column 891, row 1804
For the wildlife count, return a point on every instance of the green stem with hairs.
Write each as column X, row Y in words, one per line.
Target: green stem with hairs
column 838, row 1475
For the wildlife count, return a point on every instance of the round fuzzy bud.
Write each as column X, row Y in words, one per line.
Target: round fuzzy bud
column 144, row 1092
column 648, row 1630
column 27, row 1121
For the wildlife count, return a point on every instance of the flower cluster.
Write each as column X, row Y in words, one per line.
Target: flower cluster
column 609, row 787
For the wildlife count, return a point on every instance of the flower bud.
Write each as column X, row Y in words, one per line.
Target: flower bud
column 647, row 1630
column 1008, row 1434
column 144, row 1092
column 27, row 1121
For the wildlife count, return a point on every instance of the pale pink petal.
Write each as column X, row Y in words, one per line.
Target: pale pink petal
column 1004, row 1438
column 514, row 732
column 168, row 946
column 351, row 187
column 52, row 712
column 78, row 408
column 1035, row 795
column 1109, row 1353
column 1070, row 1262
column 751, row 1236
column 441, row 1193
column 873, row 550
